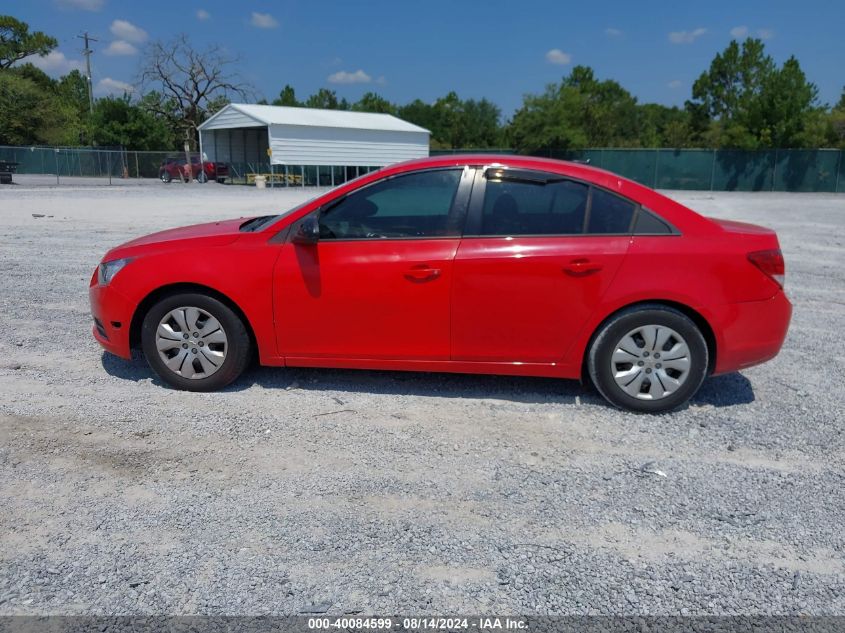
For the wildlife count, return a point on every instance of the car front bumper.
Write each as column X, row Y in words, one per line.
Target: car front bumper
column 112, row 314
column 751, row 332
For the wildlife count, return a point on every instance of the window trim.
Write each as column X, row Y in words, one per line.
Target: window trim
column 474, row 216
column 455, row 219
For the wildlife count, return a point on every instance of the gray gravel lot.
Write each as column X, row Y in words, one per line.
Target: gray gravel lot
column 345, row 491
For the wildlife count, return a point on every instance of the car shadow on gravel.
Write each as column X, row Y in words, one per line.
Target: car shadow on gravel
column 720, row 391
column 725, row 391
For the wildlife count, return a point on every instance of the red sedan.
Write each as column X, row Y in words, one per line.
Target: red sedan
column 174, row 169
column 476, row 264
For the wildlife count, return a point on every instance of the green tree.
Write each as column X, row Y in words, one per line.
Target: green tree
column 327, row 100
column 754, row 104
column 372, row 102
column 455, row 123
column 31, row 115
column 579, row 112
column 481, row 120
column 16, row 42
column 287, row 97
column 419, row 113
column 117, row 121
column 663, row 126
column 836, row 123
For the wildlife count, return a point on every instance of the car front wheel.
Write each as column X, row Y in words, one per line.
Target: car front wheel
column 195, row 342
column 649, row 358
column 165, row 176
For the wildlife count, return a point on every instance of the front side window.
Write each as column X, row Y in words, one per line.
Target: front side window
column 412, row 205
column 534, row 208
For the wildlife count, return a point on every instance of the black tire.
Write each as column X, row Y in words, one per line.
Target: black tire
column 611, row 333
column 165, row 176
column 202, row 176
column 238, row 345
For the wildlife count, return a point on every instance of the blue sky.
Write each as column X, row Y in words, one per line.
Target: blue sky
column 403, row 49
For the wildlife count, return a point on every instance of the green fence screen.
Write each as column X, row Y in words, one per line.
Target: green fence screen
column 816, row 170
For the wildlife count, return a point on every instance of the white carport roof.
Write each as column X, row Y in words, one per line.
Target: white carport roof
column 313, row 117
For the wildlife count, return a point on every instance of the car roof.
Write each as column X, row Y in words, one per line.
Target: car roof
column 510, row 160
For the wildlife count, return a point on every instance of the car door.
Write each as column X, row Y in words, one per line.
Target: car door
column 376, row 283
column 538, row 254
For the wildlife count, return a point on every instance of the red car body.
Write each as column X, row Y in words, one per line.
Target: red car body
column 517, row 305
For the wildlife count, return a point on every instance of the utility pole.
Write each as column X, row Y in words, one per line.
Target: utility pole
column 87, row 52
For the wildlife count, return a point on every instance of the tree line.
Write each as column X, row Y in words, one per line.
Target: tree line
column 744, row 100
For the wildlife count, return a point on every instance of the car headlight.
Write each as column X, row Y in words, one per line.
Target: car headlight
column 107, row 270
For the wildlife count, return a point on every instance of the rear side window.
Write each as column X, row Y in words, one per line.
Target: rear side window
column 534, row 208
column 609, row 213
column 414, row 205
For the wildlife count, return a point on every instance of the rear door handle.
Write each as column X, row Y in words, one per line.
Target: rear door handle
column 581, row 266
column 422, row 272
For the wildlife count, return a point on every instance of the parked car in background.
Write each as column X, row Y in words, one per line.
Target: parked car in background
column 474, row 264
column 173, row 168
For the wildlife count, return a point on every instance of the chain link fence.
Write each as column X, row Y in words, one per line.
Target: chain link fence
column 819, row 170
column 63, row 165
column 805, row 170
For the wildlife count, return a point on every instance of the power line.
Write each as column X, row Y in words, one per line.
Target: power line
column 87, row 52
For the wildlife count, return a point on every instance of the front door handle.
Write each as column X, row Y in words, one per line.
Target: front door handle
column 581, row 266
column 422, row 272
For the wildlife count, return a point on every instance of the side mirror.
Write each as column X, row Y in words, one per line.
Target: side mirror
column 308, row 231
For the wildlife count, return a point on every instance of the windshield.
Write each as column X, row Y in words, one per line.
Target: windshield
column 264, row 221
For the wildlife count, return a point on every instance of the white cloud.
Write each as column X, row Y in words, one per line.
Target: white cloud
column 202, row 14
column 686, row 37
column 343, row 77
column 124, row 30
column 765, row 34
column 263, row 20
column 119, row 47
column 84, row 5
column 557, row 56
column 739, row 32
column 55, row 63
column 675, row 83
column 109, row 86
column 611, row 32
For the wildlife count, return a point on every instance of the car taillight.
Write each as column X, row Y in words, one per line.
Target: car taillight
column 771, row 263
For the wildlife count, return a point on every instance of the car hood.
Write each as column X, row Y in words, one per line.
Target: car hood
column 210, row 234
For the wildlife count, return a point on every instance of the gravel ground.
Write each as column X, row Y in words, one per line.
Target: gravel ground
column 345, row 491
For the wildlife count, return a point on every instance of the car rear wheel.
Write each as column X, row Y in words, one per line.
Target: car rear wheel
column 202, row 177
column 195, row 342
column 165, row 176
column 649, row 358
